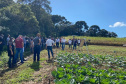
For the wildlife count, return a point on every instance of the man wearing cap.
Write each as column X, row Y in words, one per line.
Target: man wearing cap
column 49, row 44
column 37, row 42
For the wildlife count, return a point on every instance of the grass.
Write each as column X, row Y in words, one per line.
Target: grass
column 106, row 50
column 99, row 50
column 29, row 70
column 3, row 60
column 102, row 40
column 21, row 73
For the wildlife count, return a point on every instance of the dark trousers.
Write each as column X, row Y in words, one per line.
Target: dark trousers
column 70, row 46
column 11, row 61
column 74, row 47
column 36, row 51
column 57, row 44
column 49, row 48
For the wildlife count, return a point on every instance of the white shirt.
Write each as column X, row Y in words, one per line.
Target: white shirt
column 70, row 41
column 49, row 42
column 8, row 40
column 57, row 40
column 63, row 40
column 78, row 41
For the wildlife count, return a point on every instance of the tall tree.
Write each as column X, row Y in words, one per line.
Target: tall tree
column 45, row 4
column 21, row 20
column 94, row 30
column 81, row 27
column 113, row 34
column 103, row 33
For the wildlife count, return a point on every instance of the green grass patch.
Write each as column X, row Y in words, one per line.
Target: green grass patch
column 105, row 50
column 99, row 50
column 3, row 60
column 24, row 75
column 101, row 40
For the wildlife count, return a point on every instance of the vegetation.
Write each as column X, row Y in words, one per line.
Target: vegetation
column 25, row 72
column 89, row 69
column 27, row 17
column 40, row 72
column 102, row 40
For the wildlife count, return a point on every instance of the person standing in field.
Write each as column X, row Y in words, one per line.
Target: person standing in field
column 57, row 42
column 10, row 49
column 74, row 44
column 78, row 41
column 70, row 43
column 32, row 45
column 63, row 40
column 37, row 42
column 19, row 44
column 60, row 42
column 49, row 44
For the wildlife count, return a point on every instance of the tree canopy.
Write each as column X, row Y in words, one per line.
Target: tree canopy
column 27, row 17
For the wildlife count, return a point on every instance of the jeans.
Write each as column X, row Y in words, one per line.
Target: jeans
column 18, row 50
column 63, row 46
column 49, row 48
column 57, row 44
column 36, row 51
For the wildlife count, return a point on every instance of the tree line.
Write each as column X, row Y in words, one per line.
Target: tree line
column 27, row 17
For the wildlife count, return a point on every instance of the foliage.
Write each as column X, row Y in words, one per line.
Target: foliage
column 28, row 17
column 82, row 68
column 3, row 60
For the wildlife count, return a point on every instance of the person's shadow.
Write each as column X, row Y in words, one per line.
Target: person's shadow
column 6, row 70
column 35, row 66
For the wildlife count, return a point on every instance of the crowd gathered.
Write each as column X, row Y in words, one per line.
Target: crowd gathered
column 16, row 46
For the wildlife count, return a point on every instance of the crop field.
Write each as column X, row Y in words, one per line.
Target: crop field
column 103, row 67
column 93, row 64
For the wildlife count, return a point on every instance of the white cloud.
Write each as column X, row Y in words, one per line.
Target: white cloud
column 118, row 24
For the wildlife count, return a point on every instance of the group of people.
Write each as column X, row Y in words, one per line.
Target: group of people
column 72, row 42
column 19, row 45
column 36, row 45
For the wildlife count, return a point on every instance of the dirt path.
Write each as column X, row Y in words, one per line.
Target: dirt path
column 43, row 76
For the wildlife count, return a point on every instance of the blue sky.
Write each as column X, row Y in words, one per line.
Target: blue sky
column 107, row 14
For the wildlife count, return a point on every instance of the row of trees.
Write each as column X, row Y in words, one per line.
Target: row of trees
column 27, row 17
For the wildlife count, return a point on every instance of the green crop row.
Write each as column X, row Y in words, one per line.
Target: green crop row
column 88, row 69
